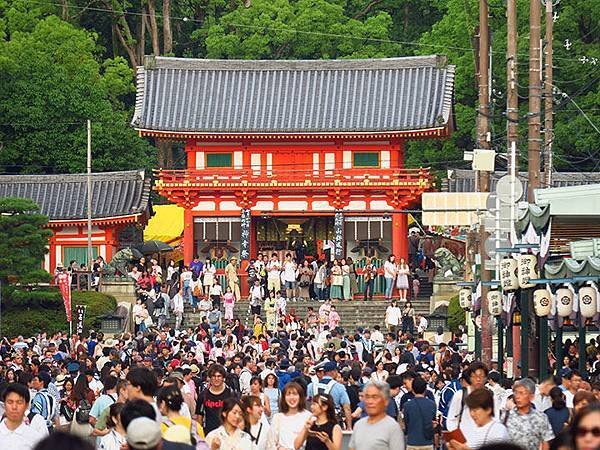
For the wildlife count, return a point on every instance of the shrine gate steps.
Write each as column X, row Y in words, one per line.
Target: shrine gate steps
column 354, row 314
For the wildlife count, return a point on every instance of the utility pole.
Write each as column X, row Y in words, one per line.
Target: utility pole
column 512, row 98
column 483, row 142
column 89, row 197
column 534, row 142
column 548, row 103
column 534, row 147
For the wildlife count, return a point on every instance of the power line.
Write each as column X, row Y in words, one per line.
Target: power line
column 291, row 30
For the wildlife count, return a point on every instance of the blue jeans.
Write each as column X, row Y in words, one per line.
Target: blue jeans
column 187, row 291
column 389, row 287
column 369, row 288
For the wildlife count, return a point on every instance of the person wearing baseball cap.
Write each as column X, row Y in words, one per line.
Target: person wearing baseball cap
column 328, row 385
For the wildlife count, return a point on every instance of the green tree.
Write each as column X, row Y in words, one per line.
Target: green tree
column 52, row 83
column 303, row 29
column 23, row 241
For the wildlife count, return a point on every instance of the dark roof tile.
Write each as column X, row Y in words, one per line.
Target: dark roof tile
column 229, row 96
column 64, row 197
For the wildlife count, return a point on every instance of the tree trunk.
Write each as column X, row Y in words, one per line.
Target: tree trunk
column 129, row 48
column 141, row 50
column 167, row 32
column 406, row 12
column 65, row 10
column 164, row 154
column 153, row 27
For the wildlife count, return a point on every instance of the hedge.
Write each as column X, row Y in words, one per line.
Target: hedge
column 29, row 311
column 456, row 315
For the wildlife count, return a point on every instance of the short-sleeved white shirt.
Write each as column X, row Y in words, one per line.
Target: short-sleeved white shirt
column 25, row 437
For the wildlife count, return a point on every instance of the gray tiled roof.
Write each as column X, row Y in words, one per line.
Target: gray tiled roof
column 461, row 180
column 228, row 96
column 63, row 197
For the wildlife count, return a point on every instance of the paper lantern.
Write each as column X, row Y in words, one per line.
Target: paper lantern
column 527, row 270
column 564, row 302
column 542, row 302
column 464, row 298
column 588, row 299
column 508, row 274
column 494, row 299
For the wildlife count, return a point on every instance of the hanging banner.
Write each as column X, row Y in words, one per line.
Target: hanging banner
column 338, row 234
column 245, row 235
column 79, row 317
column 64, row 284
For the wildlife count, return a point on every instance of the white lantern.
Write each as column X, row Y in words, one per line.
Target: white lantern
column 464, row 298
column 564, row 302
column 542, row 302
column 527, row 270
column 508, row 274
column 588, row 299
column 494, row 299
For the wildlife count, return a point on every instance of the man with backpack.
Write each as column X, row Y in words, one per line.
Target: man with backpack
column 249, row 366
column 419, row 415
column 448, row 392
column 458, row 412
column 161, row 307
column 105, row 400
column 328, row 385
column 43, row 402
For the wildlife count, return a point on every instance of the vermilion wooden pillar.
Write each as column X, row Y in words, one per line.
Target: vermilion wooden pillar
column 188, row 236
column 400, row 236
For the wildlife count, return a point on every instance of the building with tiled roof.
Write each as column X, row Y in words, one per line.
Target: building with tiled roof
column 120, row 201
column 301, row 156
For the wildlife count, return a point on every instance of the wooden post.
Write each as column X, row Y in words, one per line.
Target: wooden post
column 512, row 99
column 534, row 141
column 548, row 103
column 484, row 177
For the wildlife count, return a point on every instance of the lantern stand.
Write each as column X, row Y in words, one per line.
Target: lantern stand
column 584, row 314
column 582, row 334
column 558, row 348
column 543, row 353
column 542, row 326
column 509, row 347
column 558, row 345
column 500, row 325
column 524, row 300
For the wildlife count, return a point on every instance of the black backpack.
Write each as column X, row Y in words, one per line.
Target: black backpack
column 160, row 302
column 82, row 415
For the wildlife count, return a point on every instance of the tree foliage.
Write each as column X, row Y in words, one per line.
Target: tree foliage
column 64, row 62
column 23, row 241
column 52, row 83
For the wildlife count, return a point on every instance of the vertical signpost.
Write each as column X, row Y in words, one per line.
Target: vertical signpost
column 79, row 316
column 338, row 234
column 245, row 235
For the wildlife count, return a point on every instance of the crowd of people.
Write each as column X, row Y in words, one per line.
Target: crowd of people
column 314, row 387
column 284, row 383
column 271, row 286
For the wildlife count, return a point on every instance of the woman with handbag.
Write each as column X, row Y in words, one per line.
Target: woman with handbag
column 83, row 398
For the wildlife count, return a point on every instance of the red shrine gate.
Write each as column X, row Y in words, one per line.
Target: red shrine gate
column 281, row 151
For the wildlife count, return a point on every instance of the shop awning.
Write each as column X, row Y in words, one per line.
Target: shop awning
column 166, row 225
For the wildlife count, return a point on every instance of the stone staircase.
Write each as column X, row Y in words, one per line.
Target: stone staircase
column 354, row 314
